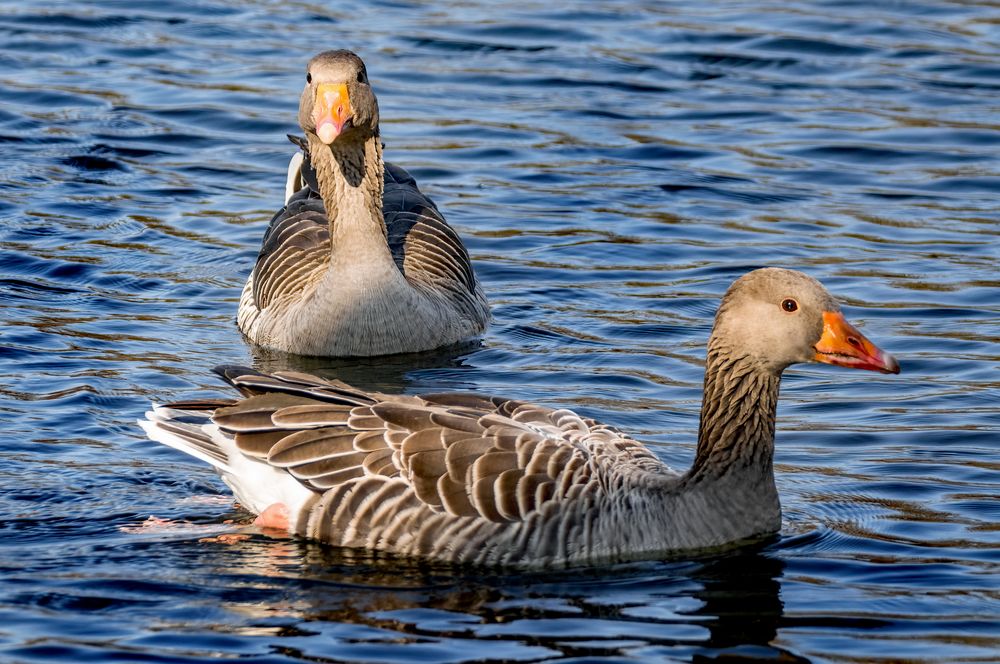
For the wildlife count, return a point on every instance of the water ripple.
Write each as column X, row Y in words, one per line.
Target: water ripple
column 612, row 169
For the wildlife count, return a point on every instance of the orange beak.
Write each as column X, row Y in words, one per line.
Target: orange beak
column 331, row 110
column 843, row 345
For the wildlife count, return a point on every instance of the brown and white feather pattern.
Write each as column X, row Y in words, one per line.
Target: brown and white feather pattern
column 295, row 250
column 452, row 477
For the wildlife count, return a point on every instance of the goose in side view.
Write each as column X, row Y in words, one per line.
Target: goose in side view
column 488, row 480
column 359, row 262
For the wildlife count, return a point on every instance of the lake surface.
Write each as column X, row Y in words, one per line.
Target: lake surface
column 612, row 166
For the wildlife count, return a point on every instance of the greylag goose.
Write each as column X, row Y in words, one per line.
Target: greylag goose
column 359, row 261
column 487, row 480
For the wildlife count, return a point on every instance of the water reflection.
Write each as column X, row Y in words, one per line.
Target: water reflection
column 741, row 598
column 388, row 373
column 713, row 608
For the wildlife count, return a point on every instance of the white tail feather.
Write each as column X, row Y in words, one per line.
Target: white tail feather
column 152, row 426
column 256, row 484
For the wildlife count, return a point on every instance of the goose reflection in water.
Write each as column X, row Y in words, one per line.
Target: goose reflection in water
column 727, row 605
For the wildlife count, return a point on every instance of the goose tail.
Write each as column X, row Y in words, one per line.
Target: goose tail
column 187, row 431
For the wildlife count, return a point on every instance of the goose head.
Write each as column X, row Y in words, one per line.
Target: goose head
column 777, row 317
column 337, row 101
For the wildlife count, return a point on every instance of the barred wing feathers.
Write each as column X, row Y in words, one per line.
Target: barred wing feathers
column 449, row 476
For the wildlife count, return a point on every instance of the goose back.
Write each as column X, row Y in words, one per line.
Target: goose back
column 449, row 476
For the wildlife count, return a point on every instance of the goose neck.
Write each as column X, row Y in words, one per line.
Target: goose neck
column 736, row 430
column 349, row 174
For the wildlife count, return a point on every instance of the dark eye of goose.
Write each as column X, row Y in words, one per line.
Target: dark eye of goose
column 789, row 305
column 309, row 78
column 362, row 78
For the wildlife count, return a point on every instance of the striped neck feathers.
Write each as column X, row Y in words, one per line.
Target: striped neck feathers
column 350, row 177
column 736, row 431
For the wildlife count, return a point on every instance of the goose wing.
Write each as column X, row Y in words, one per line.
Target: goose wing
column 426, row 249
column 295, row 249
column 466, row 455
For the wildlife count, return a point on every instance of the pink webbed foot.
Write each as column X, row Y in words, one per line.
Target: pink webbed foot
column 276, row 516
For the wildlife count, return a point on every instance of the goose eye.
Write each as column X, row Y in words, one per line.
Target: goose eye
column 309, row 78
column 789, row 305
column 361, row 77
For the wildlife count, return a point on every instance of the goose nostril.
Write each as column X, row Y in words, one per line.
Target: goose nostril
column 854, row 342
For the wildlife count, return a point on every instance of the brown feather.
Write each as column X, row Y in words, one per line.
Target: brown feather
column 304, row 378
column 557, row 462
column 311, row 444
column 505, row 493
column 463, row 453
column 494, row 420
column 567, row 420
column 408, row 417
column 429, row 464
column 459, row 399
column 258, row 443
column 395, row 438
column 253, row 413
column 426, row 489
column 313, row 415
column 526, row 450
column 380, row 492
column 363, row 419
column 506, row 407
column 380, row 463
column 455, row 497
column 529, row 412
column 504, row 438
column 493, row 463
column 426, row 538
column 329, row 465
column 567, row 480
column 320, row 524
column 544, row 493
column 370, row 441
column 483, row 500
column 538, row 463
column 405, row 511
column 528, row 492
column 345, row 519
column 309, row 387
column 334, row 479
column 356, row 531
column 391, row 501
column 419, row 441
column 457, row 422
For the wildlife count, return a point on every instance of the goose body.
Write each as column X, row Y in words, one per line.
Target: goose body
column 488, row 480
column 359, row 262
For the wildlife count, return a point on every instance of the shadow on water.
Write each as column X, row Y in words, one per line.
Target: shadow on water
column 387, row 373
column 711, row 608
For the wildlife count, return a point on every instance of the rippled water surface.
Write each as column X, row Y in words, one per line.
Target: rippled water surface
column 613, row 166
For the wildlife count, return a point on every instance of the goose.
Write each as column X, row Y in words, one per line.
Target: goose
column 487, row 480
column 359, row 262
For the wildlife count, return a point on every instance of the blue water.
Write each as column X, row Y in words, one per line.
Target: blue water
column 612, row 166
